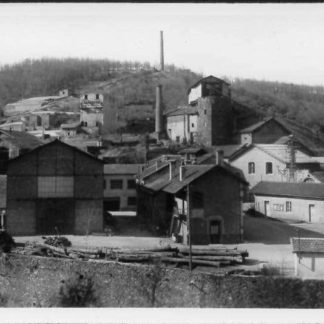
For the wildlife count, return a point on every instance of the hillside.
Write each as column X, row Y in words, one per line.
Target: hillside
column 129, row 89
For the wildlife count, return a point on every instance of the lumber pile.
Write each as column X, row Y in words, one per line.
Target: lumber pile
column 216, row 257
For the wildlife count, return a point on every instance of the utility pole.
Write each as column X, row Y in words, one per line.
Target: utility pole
column 189, row 228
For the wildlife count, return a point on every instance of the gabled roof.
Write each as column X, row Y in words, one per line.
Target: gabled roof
column 55, row 142
column 192, row 150
column 208, row 79
column 191, row 173
column 307, row 244
column 182, row 110
column 21, row 140
column 259, row 124
column 290, row 189
column 121, row 168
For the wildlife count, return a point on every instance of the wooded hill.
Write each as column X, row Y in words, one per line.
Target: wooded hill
column 130, row 84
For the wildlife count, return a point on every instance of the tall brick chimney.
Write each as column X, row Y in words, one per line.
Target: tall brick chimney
column 158, row 112
column 161, row 52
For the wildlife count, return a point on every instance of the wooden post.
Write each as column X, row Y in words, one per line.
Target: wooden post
column 189, row 228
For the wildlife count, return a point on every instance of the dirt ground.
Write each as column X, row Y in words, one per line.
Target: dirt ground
column 267, row 241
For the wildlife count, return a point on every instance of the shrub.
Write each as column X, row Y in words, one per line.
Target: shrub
column 58, row 241
column 78, row 291
column 6, row 242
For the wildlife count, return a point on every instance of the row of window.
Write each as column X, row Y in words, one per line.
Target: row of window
column 119, row 184
column 279, row 207
column 268, row 168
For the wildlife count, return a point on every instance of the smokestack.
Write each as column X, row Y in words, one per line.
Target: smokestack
column 158, row 111
column 162, row 52
column 219, row 157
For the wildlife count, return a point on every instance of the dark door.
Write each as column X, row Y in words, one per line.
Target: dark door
column 215, row 231
column 55, row 216
column 112, row 204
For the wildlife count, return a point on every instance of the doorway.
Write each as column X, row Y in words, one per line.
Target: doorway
column 311, row 210
column 267, row 208
column 112, row 204
column 215, row 228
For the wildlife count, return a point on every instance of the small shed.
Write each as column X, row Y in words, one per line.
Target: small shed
column 309, row 257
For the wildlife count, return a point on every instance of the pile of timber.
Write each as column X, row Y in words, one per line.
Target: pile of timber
column 216, row 257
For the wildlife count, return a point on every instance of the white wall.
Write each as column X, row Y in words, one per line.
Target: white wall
column 309, row 265
column 195, row 93
column 246, row 138
column 179, row 126
column 91, row 118
column 299, row 208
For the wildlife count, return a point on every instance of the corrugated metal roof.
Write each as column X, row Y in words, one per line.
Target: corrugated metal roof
column 307, row 244
column 121, row 168
column 288, row 189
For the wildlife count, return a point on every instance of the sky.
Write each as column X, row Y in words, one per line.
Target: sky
column 277, row 42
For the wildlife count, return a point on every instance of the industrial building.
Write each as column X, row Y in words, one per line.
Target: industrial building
column 54, row 189
column 211, row 195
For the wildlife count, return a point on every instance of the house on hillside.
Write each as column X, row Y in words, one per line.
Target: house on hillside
column 309, row 257
column 208, row 117
column 169, row 193
column 286, row 200
column 70, row 130
column 55, row 188
column 266, row 131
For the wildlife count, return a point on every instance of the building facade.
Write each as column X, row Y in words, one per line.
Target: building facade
column 169, row 193
column 55, row 189
column 308, row 257
column 120, row 187
column 293, row 201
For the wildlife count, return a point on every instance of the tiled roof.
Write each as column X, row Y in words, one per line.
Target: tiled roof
column 182, row 110
column 21, row 140
column 258, row 125
column 307, row 244
column 288, row 189
column 210, row 79
column 121, row 168
column 191, row 173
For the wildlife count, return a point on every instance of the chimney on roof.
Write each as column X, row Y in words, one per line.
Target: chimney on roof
column 161, row 52
column 219, row 157
column 182, row 172
column 158, row 112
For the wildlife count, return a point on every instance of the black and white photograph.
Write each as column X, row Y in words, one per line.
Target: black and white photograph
column 162, row 156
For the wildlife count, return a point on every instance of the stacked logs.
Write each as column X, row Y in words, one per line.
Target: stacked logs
column 216, row 257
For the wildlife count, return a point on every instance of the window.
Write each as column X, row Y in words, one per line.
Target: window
column 205, row 111
column 251, row 167
column 288, row 206
column 86, row 97
column 269, row 168
column 55, row 187
column 192, row 125
column 116, row 184
column 278, row 207
column 131, row 201
column 97, row 96
column 131, row 184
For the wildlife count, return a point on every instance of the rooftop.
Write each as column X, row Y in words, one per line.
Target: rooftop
column 259, row 124
column 303, row 244
column 121, row 168
column 22, row 140
column 208, row 79
column 182, row 110
column 289, row 189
